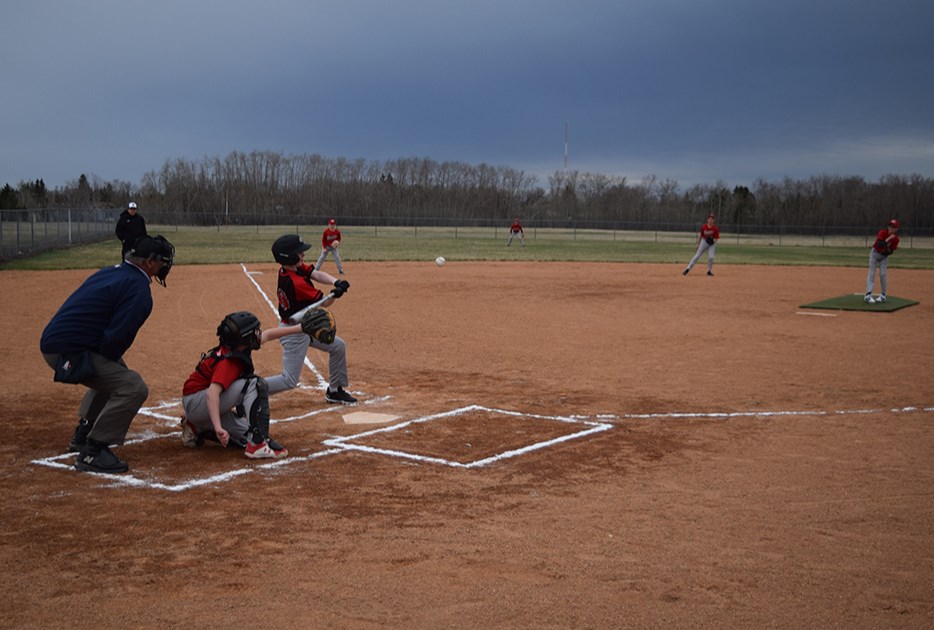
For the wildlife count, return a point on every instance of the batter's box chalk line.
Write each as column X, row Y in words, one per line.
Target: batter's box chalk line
column 347, row 442
column 336, row 446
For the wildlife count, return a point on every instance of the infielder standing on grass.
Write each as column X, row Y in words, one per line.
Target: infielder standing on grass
column 885, row 245
column 296, row 291
column 515, row 230
column 330, row 241
column 706, row 241
column 85, row 342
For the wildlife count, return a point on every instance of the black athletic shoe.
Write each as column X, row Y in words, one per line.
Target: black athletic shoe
column 80, row 437
column 709, row 273
column 685, row 272
column 98, row 458
column 340, row 397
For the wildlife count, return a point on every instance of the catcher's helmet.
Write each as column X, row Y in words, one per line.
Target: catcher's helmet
column 287, row 247
column 155, row 248
column 240, row 328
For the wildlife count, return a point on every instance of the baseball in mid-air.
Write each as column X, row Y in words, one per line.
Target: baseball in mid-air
column 440, row 260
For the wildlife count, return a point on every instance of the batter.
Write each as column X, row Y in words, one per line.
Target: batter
column 296, row 291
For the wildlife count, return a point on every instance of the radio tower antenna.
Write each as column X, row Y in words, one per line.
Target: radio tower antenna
column 565, row 148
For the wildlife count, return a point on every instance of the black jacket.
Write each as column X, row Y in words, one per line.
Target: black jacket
column 130, row 228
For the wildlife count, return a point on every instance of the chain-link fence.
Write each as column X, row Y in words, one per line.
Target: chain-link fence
column 26, row 232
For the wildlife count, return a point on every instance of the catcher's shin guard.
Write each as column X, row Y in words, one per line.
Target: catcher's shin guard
column 259, row 411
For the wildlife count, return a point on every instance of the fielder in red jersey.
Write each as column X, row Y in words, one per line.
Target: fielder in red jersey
column 885, row 245
column 706, row 240
column 330, row 241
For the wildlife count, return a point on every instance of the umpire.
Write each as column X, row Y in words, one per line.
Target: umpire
column 130, row 226
column 85, row 342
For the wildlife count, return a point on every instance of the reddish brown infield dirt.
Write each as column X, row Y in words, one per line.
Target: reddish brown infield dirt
column 813, row 519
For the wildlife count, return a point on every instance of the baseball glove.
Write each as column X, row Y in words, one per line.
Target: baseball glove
column 710, row 240
column 318, row 323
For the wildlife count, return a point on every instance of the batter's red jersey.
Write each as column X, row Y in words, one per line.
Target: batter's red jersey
column 296, row 291
column 879, row 245
column 710, row 231
column 215, row 367
column 330, row 236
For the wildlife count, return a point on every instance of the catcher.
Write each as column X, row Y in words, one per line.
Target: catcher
column 224, row 400
column 296, row 291
column 885, row 245
column 706, row 240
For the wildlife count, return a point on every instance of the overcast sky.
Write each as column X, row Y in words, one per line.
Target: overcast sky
column 691, row 90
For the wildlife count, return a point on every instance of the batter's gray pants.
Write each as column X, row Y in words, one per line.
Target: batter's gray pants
column 882, row 262
column 324, row 254
column 113, row 399
column 700, row 250
column 294, row 349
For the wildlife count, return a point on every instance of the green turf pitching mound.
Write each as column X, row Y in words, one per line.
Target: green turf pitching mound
column 855, row 302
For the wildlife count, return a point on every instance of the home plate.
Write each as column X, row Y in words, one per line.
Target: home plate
column 368, row 417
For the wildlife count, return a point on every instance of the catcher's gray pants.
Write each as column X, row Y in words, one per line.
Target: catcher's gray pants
column 113, row 399
column 294, row 349
column 513, row 235
column 242, row 393
column 700, row 250
column 324, row 254
column 882, row 262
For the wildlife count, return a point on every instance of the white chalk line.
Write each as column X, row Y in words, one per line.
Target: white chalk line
column 275, row 309
column 768, row 414
column 816, row 314
column 342, row 444
column 345, row 442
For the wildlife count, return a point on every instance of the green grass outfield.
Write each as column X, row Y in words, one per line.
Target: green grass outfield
column 234, row 244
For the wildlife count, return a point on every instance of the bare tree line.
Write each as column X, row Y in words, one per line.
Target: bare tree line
column 264, row 187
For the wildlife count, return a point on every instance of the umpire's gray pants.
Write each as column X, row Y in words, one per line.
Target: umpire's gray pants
column 113, row 399
column 294, row 349
column 882, row 262
column 324, row 254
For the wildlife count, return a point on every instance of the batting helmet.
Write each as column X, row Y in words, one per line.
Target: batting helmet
column 893, row 223
column 287, row 247
column 240, row 329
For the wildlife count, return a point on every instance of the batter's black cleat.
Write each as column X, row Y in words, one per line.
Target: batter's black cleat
column 339, row 397
column 709, row 273
column 685, row 272
column 98, row 458
column 80, row 437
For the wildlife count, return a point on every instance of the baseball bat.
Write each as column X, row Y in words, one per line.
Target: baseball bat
column 297, row 317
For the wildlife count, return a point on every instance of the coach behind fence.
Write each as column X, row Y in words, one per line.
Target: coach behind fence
column 85, row 342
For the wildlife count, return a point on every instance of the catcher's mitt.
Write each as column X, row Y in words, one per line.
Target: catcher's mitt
column 318, row 323
column 710, row 240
